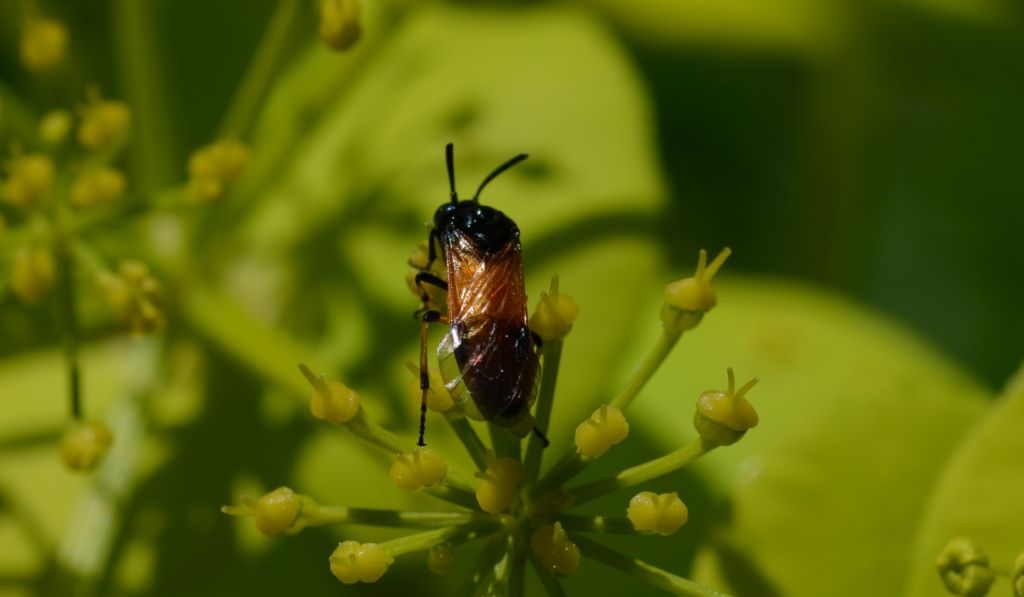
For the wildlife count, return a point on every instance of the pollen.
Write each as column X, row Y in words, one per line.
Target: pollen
column 33, row 273
column 420, row 467
column 29, row 179
column 97, row 186
column 273, row 513
column 441, row 559
column 499, row 484
column 722, row 418
column 43, row 44
column 556, row 551
column 84, row 445
column 605, row 428
column 354, row 562
column 662, row 513
column 212, row 168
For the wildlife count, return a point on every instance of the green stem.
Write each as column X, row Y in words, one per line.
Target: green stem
column 517, row 566
column 69, row 327
column 428, row 539
column 484, row 566
column 469, row 437
column 453, row 495
column 666, row 342
column 597, row 524
column 330, row 515
column 505, row 444
column 568, row 467
column 551, row 583
column 642, row 472
column 652, row 575
column 254, row 87
column 552, row 353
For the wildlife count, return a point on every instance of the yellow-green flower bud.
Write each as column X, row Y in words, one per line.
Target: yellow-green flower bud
column 965, row 569
column 134, row 296
column 1017, row 576
column 212, row 168
column 499, row 484
column 687, row 300
column 339, row 23
column 722, row 418
column 354, row 562
column 658, row 513
column 32, row 273
column 421, row 467
column 441, row 558
column 104, row 124
column 605, row 428
column 555, row 313
column 84, row 445
column 338, row 407
column 29, row 178
column 96, row 186
column 438, row 397
column 55, row 126
column 42, row 45
column 275, row 512
column 558, row 554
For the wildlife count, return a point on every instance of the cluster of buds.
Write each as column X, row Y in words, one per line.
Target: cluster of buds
column 507, row 499
column 97, row 186
column 33, row 273
column 212, row 168
column 29, row 179
column 134, row 295
column 965, row 570
column 104, row 124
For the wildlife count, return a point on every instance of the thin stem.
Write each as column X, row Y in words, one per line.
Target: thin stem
column 551, row 583
column 484, row 565
column 453, row 495
column 469, row 437
column 428, row 539
column 260, row 74
column 69, row 320
column 517, row 565
column 642, row 472
column 552, row 353
column 329, row 515
column 648, row 573
column 666, row 342
column 597, row 524
column 568, row 467
column 505, row 443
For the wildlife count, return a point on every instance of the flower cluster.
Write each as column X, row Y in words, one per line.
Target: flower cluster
column 965, row 570
column 523, row 514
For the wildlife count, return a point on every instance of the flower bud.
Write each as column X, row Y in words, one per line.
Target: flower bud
column 659, row 513
column 965, row 569
column 722, row 418
column 687, row 300
column 605, row 428
column 338, row 407
column 499, row 484
column 104, row 124
column 212, row 168
column 275, row 512
column 97, row 185
column 42, row 45
column 558, row 554
column 84, row 445
column 32, row 273
column 339, row 23
column 1017, row 576
column 421, row 467
column 55, row 126
column 441, row 558
column 29, row 179
column 555, row 314
column 134, row 296
column 355, row 562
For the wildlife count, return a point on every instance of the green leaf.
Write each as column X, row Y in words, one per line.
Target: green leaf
column 857, row 417
column 978, row 496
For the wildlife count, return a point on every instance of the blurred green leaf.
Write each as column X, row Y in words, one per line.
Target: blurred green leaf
column 978, row 496
column 857, row 418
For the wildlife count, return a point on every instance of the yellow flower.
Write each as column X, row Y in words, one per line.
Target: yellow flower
column 212, row 168
column 54, row 127
column 339, row 23
column 499, row 484
column 275, row 512
column 134, row 295
column 605, row 428
column 723, row 417
column 354, row 562
column 557, row 552
column 421, row 467
column 29, row 178
column 441, row 559
column 96, row 186
column 84, row 445
column 555, row 313
column 42, row 45
column 687, row 300
column 659, row 513
column 104, row 124
column 33, row 273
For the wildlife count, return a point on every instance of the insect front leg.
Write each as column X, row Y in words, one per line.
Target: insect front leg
column 423, row 278
column 429, row 317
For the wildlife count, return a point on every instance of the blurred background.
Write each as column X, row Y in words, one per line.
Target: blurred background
column 863, row 154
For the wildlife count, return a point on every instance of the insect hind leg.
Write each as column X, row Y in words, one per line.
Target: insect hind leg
column 428, row 318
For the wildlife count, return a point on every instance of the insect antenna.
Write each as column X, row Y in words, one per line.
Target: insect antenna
column 540, row 436
column 449, row 151
column 497, row 171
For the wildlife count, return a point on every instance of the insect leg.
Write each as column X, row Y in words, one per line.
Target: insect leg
column 432, row 247
column 429, row 278
column 541, row 437
column 429, row 317
column 537, row 341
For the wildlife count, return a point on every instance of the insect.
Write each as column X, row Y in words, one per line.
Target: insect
column 489, row 358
